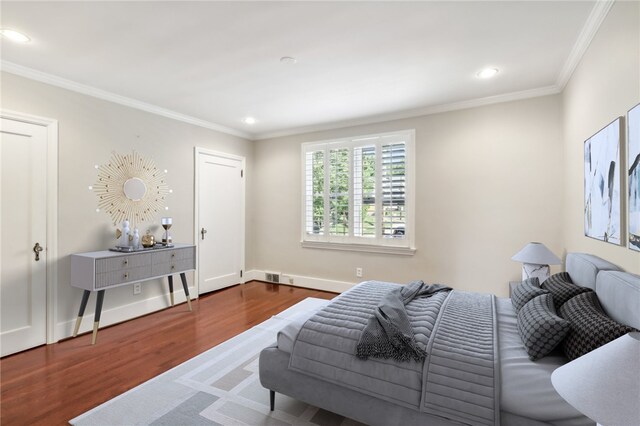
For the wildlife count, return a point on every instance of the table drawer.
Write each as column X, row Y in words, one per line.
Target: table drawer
column 130, row 274
column 122, row 263
column 173, row 267
column 173, row 255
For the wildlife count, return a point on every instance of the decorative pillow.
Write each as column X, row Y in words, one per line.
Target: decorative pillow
column 541, row 330
column 525, row 291
column 562, row 288
column 590, row 325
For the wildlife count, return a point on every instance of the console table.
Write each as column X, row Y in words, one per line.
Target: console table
column 102, row 270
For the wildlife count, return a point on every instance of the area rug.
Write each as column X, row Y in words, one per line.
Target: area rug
column 218, row 387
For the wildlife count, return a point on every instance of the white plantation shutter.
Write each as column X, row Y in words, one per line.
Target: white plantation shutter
column 357, row 190
column 339, row 179
column 393, row 190
column 364, row 191
column 314, row 194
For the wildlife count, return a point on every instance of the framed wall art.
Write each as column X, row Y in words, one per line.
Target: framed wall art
column 602, row 180
column 633, row 169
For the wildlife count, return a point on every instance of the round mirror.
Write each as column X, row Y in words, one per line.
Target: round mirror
column 134, row 189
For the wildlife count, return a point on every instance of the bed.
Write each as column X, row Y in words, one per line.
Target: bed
column 384, row 393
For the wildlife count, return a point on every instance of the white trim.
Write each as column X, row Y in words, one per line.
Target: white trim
column 53, row 80
column 412, row 113
column 591, row 27
column 52, row 213
column 367, row 248
column 123, row 313
column 305, row 282
column 197, row 151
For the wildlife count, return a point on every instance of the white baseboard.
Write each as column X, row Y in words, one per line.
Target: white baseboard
column 122, row 313
column 303, row 281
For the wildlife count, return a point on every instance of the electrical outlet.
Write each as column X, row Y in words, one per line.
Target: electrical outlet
column 290, row 280
column 137, row 288
column 359, row 272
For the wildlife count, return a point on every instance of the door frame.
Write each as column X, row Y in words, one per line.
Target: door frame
column 196, row 207
column 51, row 252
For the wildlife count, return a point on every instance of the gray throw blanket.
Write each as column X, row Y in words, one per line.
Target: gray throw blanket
column 389, row 334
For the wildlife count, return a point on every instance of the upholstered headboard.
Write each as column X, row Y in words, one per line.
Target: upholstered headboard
column 618, row 291
column 583, row 268
column 619, row 295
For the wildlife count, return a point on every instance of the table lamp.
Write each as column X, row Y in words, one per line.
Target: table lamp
column 604, row 384
column 536, row 258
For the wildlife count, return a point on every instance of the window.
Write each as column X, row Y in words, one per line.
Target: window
column 358, row 193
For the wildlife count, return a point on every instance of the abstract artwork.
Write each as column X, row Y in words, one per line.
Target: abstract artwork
column 633, row 167
column 602, row 184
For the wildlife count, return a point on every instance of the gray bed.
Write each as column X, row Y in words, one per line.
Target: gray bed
column 518, row 392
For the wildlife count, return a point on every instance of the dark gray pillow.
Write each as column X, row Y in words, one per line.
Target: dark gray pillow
column 541, row 330
column 591, row 327
column 562, row 288
column 525, row 291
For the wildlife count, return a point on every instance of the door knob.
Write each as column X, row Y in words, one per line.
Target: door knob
column 202, row 232
column 37, row 249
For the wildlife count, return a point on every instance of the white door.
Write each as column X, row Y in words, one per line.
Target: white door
column 220, row 220
column 23, row 220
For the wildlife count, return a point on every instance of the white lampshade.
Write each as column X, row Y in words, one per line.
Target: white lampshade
column 537, row 254
column 604, row 384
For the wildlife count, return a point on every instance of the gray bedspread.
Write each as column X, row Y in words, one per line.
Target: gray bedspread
column 458, row 380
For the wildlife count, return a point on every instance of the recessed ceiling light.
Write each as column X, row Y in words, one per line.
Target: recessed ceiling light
column 250, row 120
column 487, row 73
column 14, row 35
column 288, row 60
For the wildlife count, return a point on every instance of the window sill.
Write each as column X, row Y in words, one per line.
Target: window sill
column 367, row 248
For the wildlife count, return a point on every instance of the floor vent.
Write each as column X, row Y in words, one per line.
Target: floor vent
column 272, row 277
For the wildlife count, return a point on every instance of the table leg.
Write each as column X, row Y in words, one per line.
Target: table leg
column 83, row 305
column 170, row 278
column 183, row 277
column 97, row 314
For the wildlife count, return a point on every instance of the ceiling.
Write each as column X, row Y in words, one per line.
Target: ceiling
column 215, row 63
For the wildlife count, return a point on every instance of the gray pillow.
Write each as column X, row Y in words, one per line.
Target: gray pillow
column 562, row 288
column 525, row 291
column 541, row 330
column 591, row 327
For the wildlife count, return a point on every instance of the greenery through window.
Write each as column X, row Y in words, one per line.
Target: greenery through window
column 356, row 189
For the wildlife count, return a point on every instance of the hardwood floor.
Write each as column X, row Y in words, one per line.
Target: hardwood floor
column 54, row 383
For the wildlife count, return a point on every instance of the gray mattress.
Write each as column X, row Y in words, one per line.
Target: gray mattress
column 527, row 396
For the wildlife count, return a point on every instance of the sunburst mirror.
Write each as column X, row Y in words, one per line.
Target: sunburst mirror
column 130, row 187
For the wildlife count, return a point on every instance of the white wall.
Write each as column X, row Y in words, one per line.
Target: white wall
column 604, row 86
column 489, row 180
column 89, row 130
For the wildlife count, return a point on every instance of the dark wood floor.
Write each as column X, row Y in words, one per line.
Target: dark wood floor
column 54, row 383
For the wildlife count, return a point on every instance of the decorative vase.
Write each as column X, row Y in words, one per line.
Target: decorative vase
column 126, row 231
column 136, row 239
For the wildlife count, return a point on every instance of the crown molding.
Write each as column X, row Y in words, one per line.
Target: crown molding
column 417, row 112
column 53, row 80
column 591, row 27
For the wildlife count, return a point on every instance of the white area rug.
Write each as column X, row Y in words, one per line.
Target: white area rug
column 218, row 387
